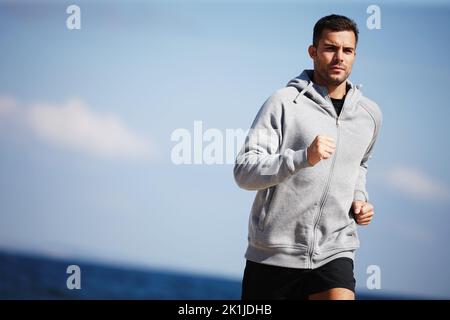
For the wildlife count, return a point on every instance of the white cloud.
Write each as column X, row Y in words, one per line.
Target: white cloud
column 75, row 126
column 417, row 184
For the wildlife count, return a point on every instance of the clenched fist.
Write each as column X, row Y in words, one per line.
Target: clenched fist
column 321, row 148
column 363, row 212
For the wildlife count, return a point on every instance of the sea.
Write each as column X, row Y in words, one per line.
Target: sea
column 26, row 276
column 34, row 277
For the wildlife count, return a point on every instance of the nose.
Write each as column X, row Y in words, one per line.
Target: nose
column 339, row 54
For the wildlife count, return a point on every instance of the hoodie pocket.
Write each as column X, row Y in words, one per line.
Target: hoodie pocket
column 265, row 214
column 344, row 239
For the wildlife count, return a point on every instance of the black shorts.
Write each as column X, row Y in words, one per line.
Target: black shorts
column 262, row 281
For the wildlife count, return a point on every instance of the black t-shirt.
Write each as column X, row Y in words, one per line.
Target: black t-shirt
column 338, row 103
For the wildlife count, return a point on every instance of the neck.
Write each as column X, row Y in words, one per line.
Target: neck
column 335, row 92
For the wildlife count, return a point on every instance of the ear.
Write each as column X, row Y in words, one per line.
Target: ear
column 312, row 51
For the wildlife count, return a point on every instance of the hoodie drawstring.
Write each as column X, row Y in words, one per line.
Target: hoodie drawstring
column 303, row 91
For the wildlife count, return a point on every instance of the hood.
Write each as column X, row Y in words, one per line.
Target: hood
column 319, row 94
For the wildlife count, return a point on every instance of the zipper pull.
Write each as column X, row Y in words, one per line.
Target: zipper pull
column 337, row 121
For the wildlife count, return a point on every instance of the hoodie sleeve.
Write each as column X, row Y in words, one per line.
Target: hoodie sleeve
column 259, row 164
column 360, row 188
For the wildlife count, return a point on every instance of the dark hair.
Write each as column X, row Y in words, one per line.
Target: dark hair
column 334, row 22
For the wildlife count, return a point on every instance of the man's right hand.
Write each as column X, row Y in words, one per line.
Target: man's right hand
column 321, row 148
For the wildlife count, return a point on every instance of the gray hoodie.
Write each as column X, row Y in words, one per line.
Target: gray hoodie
column 301, row 216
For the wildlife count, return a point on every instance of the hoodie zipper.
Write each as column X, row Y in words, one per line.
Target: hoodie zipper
column 324, row 194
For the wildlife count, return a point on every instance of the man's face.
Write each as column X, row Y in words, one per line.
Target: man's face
column 333, row 58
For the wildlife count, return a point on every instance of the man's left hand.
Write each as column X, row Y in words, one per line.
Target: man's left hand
column 363, row 212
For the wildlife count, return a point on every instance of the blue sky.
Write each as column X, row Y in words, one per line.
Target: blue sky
column 86, row 118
